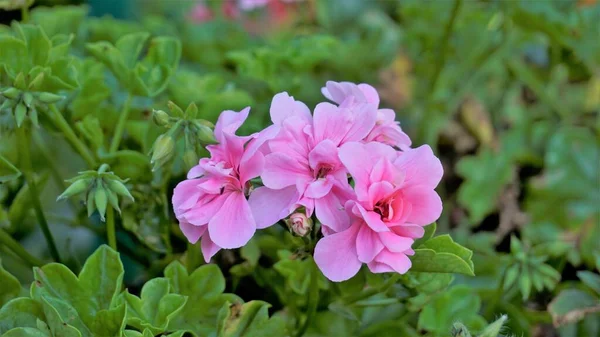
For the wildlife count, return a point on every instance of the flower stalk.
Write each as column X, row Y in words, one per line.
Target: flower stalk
column 16, row 248
column 114, row 145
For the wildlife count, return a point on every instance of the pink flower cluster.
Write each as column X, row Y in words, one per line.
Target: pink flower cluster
column 305, row 160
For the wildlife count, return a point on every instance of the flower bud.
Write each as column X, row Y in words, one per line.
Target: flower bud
column 160, row 118
column 27, row 99
column 163, row 150
column 113, row 200
column 11, row 93
column 101, row 200
column 175, row 109
column 79, row 186
column 20, row 113
column 119, row 188
column 192, row 111
column 299, row 223
column 205, row 134
column 48, row 98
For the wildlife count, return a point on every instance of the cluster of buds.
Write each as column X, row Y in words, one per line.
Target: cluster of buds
column 100, row 188
column 196, row 132
column 23, row 99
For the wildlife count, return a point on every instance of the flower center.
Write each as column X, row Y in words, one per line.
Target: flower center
column 323, row 170
column 383, row 208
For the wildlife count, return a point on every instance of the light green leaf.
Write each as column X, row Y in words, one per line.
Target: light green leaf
column 20, row 312
column 442, row 255
column 572, row 305
column 590, row 279
column 204, row 289
column 11, row 287
column 249, row 320
column 155, row 308
column 87, row 302
column 25, row 332
column 429, row 232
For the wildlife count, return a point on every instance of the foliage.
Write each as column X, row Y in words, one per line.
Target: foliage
column 118, row 110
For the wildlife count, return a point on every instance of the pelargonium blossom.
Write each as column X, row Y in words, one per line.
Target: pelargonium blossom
column 395, row 198
column 303, row 168
column 386, row 130
column 211, row 204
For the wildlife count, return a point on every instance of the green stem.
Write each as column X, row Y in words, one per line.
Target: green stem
column 60, row 122
column 24, row 14
column 439, row 65
column 313, row 299
column 192, row 257
column 23, row 142
column 114, row 145
column 16, row 248
column 497, row 297
column 110, row 228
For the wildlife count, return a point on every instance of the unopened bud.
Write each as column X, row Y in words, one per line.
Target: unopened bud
column 205, row 134
column 11, row 93
column 160, row 118
column 119, row 188
column 175, row 109
column 48, row 98
column 77, row 187
column 299, row 223
column 163, row 149
column 20, row 113
column 101, row 200
column 28, row 99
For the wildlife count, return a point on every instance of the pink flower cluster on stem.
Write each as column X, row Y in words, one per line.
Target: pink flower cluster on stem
column 305, row 160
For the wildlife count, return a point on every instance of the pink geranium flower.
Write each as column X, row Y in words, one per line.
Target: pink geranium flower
column 386, row 129
column 212, row 203
column 201, row 13
column 395, row 198
column 303, row 167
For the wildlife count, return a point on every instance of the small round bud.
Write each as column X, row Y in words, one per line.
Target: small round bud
column 205, row 134
column 163, row 150
column 160, row 118
column 299, row 223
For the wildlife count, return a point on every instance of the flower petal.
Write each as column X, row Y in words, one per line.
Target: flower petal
column 368, row 244
column 284, row 106
column 201, row 213
column 388, row 261
column 426, row 205
column 209, row 248
column 269, row 206
column 233, row 225
column 394, row 242
column 421, row 167
column 185, row 195
column 330, row 210
column 336, row 254
column 252, row 167
column 372, row 219
column 319, row 188
column 229, row 121
column 282, row 171
column 191, row 232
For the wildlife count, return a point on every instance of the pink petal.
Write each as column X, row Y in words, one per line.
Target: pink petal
column 331, row 122
column 284, row 106
column 426, row 205
column 191, row 232
column 409, row 231
column 384, row 170
column 368, row 244
column 330, row 211
column 362, row 120
column 319, row 188
column 195, row 172
column 229, row 121
column 282, row 171
column 379, row 150
column 324, row 153
column 292, row 140
column 379, row 191
column 372, row 219
column 185, row 195
column 209, row 248
column 252, row 167
column 336, row 255
column 269, row 206
column 370, row 93
column 202, row 213
column 233, row 225
column 387, row 261
column 358, row 162
column 421, row 167
column 395, row 243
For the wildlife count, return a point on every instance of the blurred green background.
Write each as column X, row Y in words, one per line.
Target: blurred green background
column 506, row 92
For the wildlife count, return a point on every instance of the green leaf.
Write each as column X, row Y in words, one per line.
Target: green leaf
column 8, row 171
column 429, row 232
column 296, row 272
column 459, row 303
column 131, row 46
column 20, row 312
column 25, row 332
column 38, row 44
column 57, row 324
column 442, row 255
column 93, row 90
column 588, row 278
column 249, row 320
column 87, row 302
column 14, row 54
column 90, row 128
column 11, row 287
column 485, row 176
column 59, row 19
column 572, row 305
column 155, row 308
column 204, row 289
